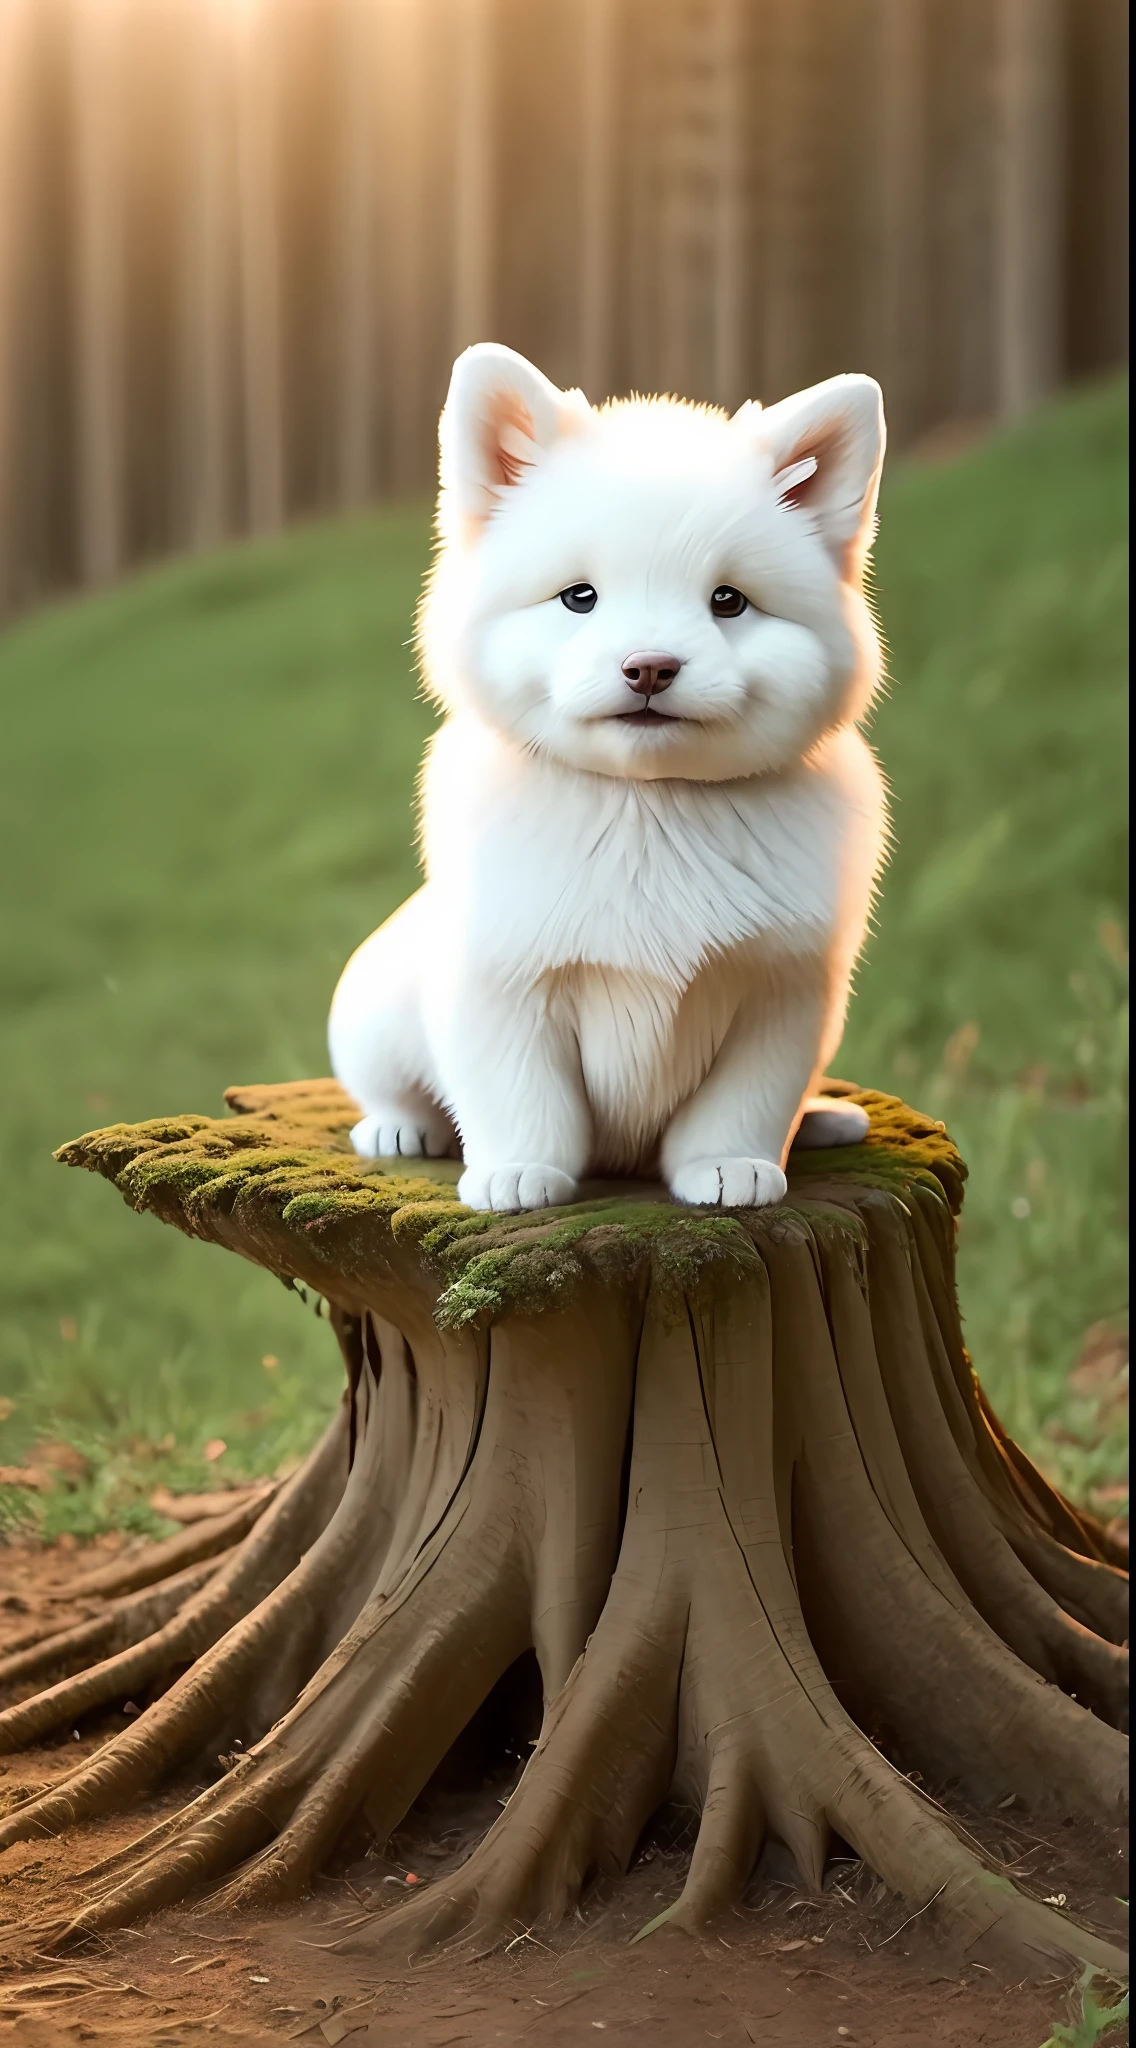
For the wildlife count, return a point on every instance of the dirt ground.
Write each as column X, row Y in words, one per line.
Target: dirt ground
column 848, row 1968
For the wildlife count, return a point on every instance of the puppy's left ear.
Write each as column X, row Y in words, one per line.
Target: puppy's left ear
column 501, row 417
column 826, row 446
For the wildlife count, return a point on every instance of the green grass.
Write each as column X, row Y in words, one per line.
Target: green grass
column 205, row 802
column 1092, row 2022
column 995, row 988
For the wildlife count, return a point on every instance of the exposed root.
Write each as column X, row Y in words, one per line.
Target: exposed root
column 122, row 1623
column 190, row 1546
column 1070, row 1554
column 959, row 1704
column 936, row 1428
column 731, row 1831
column 206, row 1610
column 601, row 1767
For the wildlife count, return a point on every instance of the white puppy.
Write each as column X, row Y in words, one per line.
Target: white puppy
column 651, row 828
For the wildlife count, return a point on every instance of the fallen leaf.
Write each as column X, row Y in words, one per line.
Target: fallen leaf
column 1101, row 1362
column 54, row 1456
column 784, row 1947
column 7, row 1407
column 25, row 1475
column 214, row 1449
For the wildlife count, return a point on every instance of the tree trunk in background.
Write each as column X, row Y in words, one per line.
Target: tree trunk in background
column 473, row 175
column 250, row 249
column 730, row 251
column 785, row 129
column 14, row 111
column 96, row 60
column 684, row 144
column 1095, row 295
column 898, row 274
column 207, row 278
column 408, row 30
column 259, row 232
column 1028, row 225
column 599, row 113
column 356, row 396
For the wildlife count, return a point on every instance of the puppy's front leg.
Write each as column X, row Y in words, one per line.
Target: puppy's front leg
column 727, row 1144
column 513, row 1069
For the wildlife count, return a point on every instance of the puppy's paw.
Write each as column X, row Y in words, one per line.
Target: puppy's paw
column 515, row 1187
column 402, row 1134
column 828, row 1121
column 728, row 1183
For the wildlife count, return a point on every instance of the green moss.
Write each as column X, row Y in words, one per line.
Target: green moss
column 540, row 1264
column 286, row 1193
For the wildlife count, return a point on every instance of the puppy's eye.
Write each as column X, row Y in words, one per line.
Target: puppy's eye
column 579, row 597
column 728, row 603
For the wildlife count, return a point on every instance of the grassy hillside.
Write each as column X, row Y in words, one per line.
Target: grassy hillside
column 205, row 795
column 995, row 987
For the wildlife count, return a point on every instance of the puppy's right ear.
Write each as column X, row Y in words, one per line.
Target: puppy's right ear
column 499, row 421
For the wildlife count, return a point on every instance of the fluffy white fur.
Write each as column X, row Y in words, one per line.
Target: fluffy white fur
column 634, row 945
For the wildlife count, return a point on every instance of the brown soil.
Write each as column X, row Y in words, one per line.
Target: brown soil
column 785, row 1969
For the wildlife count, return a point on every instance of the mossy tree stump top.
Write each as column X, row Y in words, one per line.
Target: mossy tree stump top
column 279, row 1182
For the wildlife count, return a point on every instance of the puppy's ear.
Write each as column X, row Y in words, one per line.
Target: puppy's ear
column 500, row 418
column 826, row 446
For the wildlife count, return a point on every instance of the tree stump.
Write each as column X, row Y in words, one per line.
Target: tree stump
column 729, row 1475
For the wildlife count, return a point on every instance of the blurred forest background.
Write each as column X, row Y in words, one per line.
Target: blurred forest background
column 240, row 243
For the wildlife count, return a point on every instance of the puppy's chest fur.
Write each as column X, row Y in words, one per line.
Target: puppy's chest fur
column 642, row 914
column 644, row 1044
column 544, row 871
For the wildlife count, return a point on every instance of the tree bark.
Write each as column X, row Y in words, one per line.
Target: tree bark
column 729, row 1476
column 99, row 382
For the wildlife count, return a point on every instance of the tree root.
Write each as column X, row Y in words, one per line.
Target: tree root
column 121, row 1624
column 941, row 1434
column 748, row 1523
column 175, row 1623
column 959, row 1704
column 159, row 1561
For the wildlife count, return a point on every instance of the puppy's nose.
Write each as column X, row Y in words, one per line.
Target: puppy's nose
column 650, row 672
